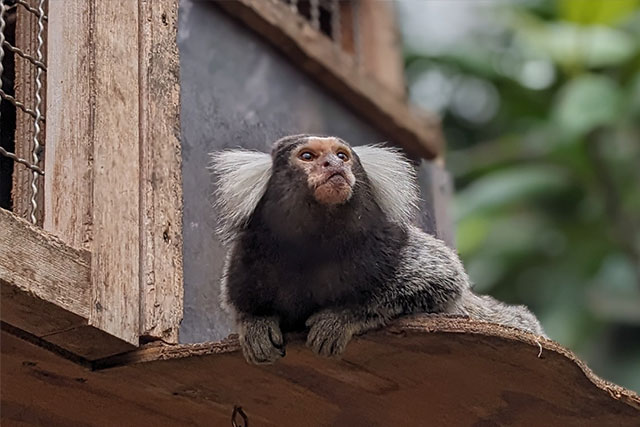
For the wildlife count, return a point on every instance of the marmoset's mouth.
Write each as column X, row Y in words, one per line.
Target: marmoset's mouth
column 336, row 177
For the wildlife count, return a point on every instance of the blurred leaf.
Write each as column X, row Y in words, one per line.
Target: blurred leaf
column 633, row 97
column 572, row 45
column 473, row 231
column 587, row 102
column 507, row 186
column 596, row 11
column 534, row 223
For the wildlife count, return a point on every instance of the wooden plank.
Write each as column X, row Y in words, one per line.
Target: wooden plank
column 68, row 170
column 161, row 293
column 113, row 176
column 337, row 71
column 25, row 91
column 45, row 287
column 115, row 265
column 37, row 263
column 380, row 44
column 93, row 174
column 30, row 313
column 425, row 371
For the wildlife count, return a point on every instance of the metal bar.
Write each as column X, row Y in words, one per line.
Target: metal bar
column 19, row 104
column 26, row 56
column 35, row 153
column 315, row 13
column 356, row 32
column 336, row 23
column 2, row 24
column 38, row 12
column 20, row 160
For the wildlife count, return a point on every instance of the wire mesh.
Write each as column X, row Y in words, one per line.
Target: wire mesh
column 8, row 10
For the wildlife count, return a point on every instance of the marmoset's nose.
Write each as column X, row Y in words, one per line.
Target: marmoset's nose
column 331, row 160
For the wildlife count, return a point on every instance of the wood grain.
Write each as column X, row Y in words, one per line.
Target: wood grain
column 45, row 290
column 41, row 265
column 161, row 290
column 115, row 265
column 114, row 172
column 69, row 168
column 420, row 371
column 337, row 71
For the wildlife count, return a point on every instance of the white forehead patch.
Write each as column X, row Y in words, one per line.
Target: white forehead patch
column 321, row 138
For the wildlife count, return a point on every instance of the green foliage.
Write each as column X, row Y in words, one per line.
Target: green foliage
column 541, row 109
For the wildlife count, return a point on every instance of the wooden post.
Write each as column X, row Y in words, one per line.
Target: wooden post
column 161, row 290
column 69, row 168
column 113, row 168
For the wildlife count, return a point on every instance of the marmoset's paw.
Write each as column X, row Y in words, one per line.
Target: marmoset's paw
column 329, row 333
column 261, row 340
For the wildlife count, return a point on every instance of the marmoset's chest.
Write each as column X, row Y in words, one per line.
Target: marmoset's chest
column 296, row 278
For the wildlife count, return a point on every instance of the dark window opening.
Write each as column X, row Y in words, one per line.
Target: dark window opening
column 7, row 112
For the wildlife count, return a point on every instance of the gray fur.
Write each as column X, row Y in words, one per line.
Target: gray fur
column 261, row 339
column 484, row 307
column 428, row 278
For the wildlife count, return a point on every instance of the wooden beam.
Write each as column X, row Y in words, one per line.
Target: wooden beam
column 69, row 169
column 421, row 371
column 45, row 288
column 114, row 161
column 161, row 289
column 93, row 169
column 115, row 265
column 41, row 265
column 337, row 71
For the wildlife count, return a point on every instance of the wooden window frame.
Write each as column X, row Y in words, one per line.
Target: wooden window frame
column 105, row 272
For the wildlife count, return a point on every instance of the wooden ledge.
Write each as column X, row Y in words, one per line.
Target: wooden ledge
column 337, row 71
column 46, row 290
column 424, row 370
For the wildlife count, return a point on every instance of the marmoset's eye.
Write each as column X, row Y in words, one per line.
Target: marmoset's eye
column 342, row 156
column 306, row 156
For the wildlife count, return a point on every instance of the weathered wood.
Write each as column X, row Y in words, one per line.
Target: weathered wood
column 45, row 287
column 113, row 175
column 380, row 44
column 115, row 262
column 25, row 92
column 337, row 71
column 37, row 263
column 68, row 170
column 421, row 371
column 161, row 292
column 28, row 312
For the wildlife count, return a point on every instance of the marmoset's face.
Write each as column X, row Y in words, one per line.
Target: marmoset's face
column 327, row 164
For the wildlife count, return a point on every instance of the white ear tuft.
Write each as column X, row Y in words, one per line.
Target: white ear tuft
column 393, row 179
column 242, row 178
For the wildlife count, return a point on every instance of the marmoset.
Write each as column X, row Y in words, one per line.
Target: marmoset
column 320, row 237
